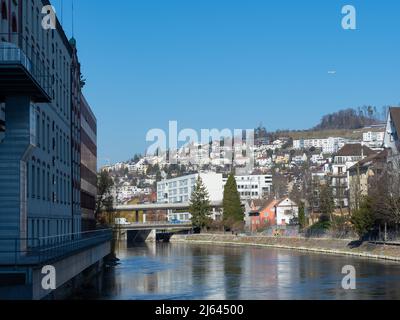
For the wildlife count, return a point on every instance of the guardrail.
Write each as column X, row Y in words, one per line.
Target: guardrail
column 160, row 222
column 152, row 223
column 38, row 251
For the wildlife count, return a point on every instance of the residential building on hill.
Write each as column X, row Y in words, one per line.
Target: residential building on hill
column 373, row 139
column 346, row 157
column 391, row 139
column 361, row 173
column 328, row 145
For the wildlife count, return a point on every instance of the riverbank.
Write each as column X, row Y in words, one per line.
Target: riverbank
column 325, row 246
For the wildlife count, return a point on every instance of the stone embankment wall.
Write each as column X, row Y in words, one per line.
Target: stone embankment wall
column 325, row 246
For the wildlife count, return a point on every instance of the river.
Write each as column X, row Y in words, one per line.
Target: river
column 190, row 271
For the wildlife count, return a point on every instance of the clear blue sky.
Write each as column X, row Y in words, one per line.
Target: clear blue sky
column 229, row 64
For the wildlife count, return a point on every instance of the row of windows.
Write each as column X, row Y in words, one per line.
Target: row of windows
column 247, row 187
column 179, row 199
column 50, row 231
column 54, row 65
column 4, row 16
column 47, row 186
column 248, row 194
column 52, row 138
column 45, row 51
column 41, row 228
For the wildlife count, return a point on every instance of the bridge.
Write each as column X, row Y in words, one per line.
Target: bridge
column 147, row 231
column 168, row 207
column 161, row 206
column 156, row 225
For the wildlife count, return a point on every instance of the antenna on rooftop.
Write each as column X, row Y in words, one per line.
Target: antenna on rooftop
column 73, row 21
column 62, row 11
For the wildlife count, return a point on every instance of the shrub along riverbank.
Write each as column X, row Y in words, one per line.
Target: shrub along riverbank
column 326, row 246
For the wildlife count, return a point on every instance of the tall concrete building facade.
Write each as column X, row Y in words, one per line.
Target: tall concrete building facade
column 40, row 183
column 88, row 165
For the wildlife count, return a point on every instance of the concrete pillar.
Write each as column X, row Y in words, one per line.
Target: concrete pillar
column 144, row 217
column 152, row 237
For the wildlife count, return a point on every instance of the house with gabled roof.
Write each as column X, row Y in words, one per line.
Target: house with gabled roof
column 345, row 158
column 272, row 212
column 362, row 172
column 391, row 140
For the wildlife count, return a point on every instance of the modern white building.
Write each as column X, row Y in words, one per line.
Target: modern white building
column 179, row 190
column 253, row 186
column 328, row 145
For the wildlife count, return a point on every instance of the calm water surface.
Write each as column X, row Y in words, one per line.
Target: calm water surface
column 186, row 271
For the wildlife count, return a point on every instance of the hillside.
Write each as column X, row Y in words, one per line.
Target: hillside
column 322, row 134
column 351, row 119
column 348, row 124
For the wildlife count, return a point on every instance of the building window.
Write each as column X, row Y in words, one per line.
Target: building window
column 48, row 137
column 38, row 182
column 48, row 187
column 38, row 130
column 44, row 185
column 3, row 10
column 33, row 181
column 43, row 133
column 14, row 27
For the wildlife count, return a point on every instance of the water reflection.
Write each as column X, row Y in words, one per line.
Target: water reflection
column 178, row 271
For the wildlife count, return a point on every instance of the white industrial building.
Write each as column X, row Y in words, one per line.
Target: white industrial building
column 179, row 190
column 253, row 186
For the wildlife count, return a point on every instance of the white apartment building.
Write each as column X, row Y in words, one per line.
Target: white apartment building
column 179, row 190
column 253, row 186
column 373, row 139
column 328, row 145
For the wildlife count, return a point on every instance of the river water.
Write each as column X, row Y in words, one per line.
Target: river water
column 189, row 271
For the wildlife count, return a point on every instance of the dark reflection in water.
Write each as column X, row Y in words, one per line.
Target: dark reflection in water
column 179, row 271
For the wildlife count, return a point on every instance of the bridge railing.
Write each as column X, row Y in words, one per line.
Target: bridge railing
column 38, row 251
column 153, row 223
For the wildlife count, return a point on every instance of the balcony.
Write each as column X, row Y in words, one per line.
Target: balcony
column 20, row 76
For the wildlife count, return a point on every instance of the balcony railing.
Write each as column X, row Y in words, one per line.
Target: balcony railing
column 12, row 55
column 39, row 251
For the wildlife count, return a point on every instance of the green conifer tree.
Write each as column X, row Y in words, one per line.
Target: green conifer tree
column 233, row 211
column 200, row 206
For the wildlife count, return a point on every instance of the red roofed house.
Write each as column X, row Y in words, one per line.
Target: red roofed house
column 271, row 213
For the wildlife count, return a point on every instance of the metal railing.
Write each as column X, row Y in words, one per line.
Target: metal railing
column 11, row 53
column 38, row 251
column 160, row 223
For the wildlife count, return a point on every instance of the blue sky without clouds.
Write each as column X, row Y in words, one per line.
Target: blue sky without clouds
column 229, row 64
